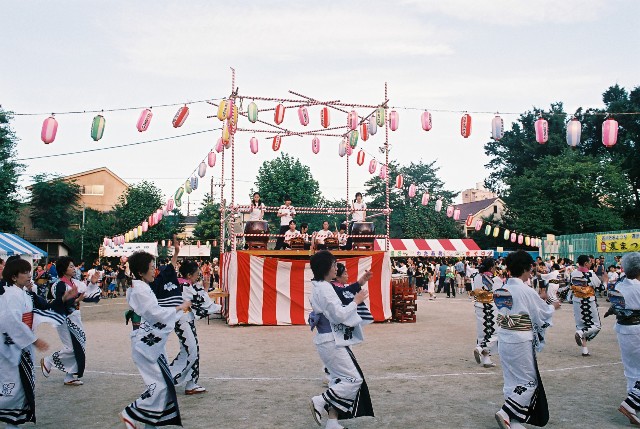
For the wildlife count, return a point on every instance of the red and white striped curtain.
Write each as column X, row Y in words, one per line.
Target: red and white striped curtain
column 273, row 291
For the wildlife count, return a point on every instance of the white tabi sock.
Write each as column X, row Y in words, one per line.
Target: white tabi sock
column 333, row 424
column 68, row 377
column 585, row 351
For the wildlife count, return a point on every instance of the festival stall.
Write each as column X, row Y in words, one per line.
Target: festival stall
column 127, row 249
column 411, row 247
column 267, row 290
column 11, row 244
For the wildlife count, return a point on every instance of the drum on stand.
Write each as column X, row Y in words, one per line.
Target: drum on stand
column 257, row 227
column 362, row 228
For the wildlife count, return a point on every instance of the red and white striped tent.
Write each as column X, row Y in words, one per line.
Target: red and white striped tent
column 404, row 247
column 275, row 291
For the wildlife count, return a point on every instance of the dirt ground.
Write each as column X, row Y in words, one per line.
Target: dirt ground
column 420, row 375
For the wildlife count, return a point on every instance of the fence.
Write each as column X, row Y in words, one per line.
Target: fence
column 574, row 245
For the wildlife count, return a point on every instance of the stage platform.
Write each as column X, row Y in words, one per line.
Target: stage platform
column 305, row 254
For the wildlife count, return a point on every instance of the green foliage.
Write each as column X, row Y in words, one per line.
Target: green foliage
column 208, row 224
column 409, row 218
column 9, row 174
column 54, row 203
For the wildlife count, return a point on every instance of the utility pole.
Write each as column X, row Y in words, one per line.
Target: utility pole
column 82, row 234
column 211, row 193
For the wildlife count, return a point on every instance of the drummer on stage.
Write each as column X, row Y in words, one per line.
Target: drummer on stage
column 304, row 233
column 320, row 236
column 291, row 233
column 286, row 214
column 257, row 208
column 358, row 214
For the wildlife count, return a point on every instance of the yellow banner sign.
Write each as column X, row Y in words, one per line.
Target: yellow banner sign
column 618, row 243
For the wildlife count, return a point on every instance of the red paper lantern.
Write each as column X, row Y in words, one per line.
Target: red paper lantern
column 399, row 181
column 180, row 117
column 360, row 158
column 609, row 132
column 412, row 190
column 325, row 117
column 277, row 141
column 303, row 115
column 364, row 131
column 465, row 125
column 144, row 120
column 426, row 120
column 352, row 120
column 278, row 116
column 469, row 221
column 315, row 145
column 383, row 172
column 49, row 130
column 542, row 130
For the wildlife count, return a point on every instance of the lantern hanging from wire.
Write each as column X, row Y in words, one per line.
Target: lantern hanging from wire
column 425, row 119
column 496, row 232
column 315, row 145
column 425, row 198
column 49, row 130
column 144, row 120
column 230, row 107
column 527, row 241
column 349, row 150
column 574, row 129
column 202, row 169
column 181, row 115
column 325, row 117
column 352, row 120
column 97, row 127
column 219, row 145
column 178, row 195
column 194, row 183
column 170, row 205
column 187, row 186
column 609, row 132
column 277, row 141
column 145, row 226
column 373, row 165
column 253, row 145
column 373, row 126
column 438, row 206
column 542, row 130
column 364, row 131
column 487, row 229
column 222, row 109
column 513, row 237
column 252, row 112
column 353, row 139
column 456, row 214
column 303, row 115
column 394, row 120
column 497, row 128
column 211, row 159
column 465, row 125
column 506, row 234
column 399, row 181
column 360, row 157
column 412, row 190
column 469, row 222
column 226, row 135
column 278, row 115
column 479, row 225
column 383, row 172
column 520, row 239
column 380, row 116
column 160, row 214
column 342, row 149
column 450, row 211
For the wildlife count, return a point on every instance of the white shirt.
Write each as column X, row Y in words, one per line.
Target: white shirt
column 402, row 269
column 290, row 234
column 325, row 300
column 256, row 212
column 358, row 211
column 288, row 212
column 322, row 234
column 630, row 290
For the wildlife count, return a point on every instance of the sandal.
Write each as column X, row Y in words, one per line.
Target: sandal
column 74, row 382
column 195, row 391
column 45, row 371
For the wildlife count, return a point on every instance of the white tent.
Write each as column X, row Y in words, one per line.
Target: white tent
column 127, row 249
column 191, row 250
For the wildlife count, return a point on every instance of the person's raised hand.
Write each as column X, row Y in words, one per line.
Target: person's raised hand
column 361, row 296
column 365, row 277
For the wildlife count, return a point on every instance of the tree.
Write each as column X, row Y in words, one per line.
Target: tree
column 9, row 174
column 409, row 218
column 208, row 223
column 54, row 203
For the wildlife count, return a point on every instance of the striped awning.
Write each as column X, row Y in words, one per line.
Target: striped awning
column 402, row 247
column 11, row 244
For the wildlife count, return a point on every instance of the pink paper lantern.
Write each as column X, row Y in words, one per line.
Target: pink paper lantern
column 144, row 120
column 315, row 145
column 438, row 205
column 219, row 145
column 450, row 211
column 383, row 172
column 151, row 220
column 520, row 239
column 425, row 198
column 181, row 115
column 230, row 106
column 609, row 132
column 394, row 120
column 399, row 181
column 373, row 165
column 352, row 120
column 325, row 117
column 253, row 145
column 456, row 214
column 465, row 125
column 349, row 150
column 49, row 130
column 373, row 125
column 478, row 224
column 425, row 118
column 155, row 218
column 542, row 130
column 211, row 159
column 170, row 205
column 303, row 115
column 364, row 131
column 513, row 237
column 277, row 141
column 278, row 115
column 412, row 190
column 145, row 226
column 105, row 242
column 159, row 214
column 360, row 157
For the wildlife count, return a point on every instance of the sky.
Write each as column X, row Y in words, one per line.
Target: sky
column 456, row 55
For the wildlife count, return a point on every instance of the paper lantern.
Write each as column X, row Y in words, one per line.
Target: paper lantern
column 609, row 132
column 202, row 169
column 97, row 127
column 253, row 145
column 145, row 226
column 233, row 120
column 303, row 115
column 450, row 211
column 412, row 190
column 140, row 230
column 105, row 242
column 181, row 115
column 144, row 120
column 211, row 159
column 497, row 128
column 425, row 198
column 342, row 148
column 159, row 213
column 383, row 172
column 170, row 205
column 352, row 120
column 542, row 130
column 399, row 181
column 155, row 218
column 325, row 117
column 252, row 112
column 126, row 237
column 425, row 118
column 496, row 232
column 49, row 130
column 487, row 230
column 360, row 157
column 469, row 222
column 187, row 186
column 315, row 145
column 456, row 214
column 438, row 206
column 479, row 225
column 527, row 241
column 163, row 243
column 506, row 234
column 278, row 115
column 134, row 233
column 349, row 150
column 514, row 237
column 380, row 116
column 394, row 120
column 574, row 129
column 222, row 110
column 226, row 135
column 194, row 183
column 364, row 131
column 178, row 195
column 373, row 126
column 229, row 109
column 277, row 141
column 373, row 165
column 520, row 239
column 353, row 139
column 178, row 203
column 465, row 125
column 219, row 145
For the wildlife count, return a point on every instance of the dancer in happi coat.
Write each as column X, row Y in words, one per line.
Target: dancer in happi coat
column 71, row 359
column 584, row 283
column 158, row 404
column 17, row 375
column 523, row 316
column 338, row 327
column 484, row 282
column 625, row 300
column 185, row 368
